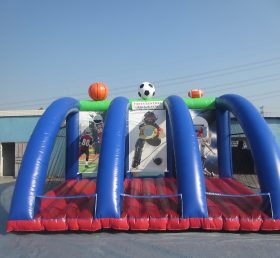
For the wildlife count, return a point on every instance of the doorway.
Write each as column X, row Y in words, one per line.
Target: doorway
column 8, row 157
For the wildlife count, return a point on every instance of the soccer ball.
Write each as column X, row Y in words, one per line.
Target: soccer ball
column 146, row 90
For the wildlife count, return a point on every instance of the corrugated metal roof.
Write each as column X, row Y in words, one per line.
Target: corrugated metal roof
column 11, row 113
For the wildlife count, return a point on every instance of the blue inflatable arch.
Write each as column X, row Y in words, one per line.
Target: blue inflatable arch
column 32, row 174
column 112, row 160
column 189, row 172
column 264, row 148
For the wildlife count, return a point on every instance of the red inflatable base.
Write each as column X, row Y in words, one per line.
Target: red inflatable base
column 232, row 212
column 144, row 224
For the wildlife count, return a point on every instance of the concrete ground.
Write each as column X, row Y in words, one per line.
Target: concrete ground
column 130, row 244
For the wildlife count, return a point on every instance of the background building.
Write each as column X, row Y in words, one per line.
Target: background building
column 16, row 128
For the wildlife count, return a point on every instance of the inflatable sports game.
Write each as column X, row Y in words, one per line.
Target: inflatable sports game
column 147, row 164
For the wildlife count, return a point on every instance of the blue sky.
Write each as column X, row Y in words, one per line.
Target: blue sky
column 51, row 49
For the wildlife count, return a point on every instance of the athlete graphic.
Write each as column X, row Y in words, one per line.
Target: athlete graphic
column 86, row 141
column 149, row 132
column 97, row 137
column 98, row 126
column 204, row 142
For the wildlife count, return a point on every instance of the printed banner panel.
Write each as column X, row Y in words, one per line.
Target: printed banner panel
column 205, row 127
column 147, row 141
column 91, row 130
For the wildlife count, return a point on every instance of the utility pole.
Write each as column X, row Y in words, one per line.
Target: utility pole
column 262, row 110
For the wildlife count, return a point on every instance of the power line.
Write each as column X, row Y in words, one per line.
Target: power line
column 277, row 59
column 260, row 95
column 236, row 84
column 271, row 95
column 162, row 83
column 231, row 70
column 222, row 85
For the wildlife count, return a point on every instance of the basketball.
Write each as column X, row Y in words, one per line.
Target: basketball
column 98, row 91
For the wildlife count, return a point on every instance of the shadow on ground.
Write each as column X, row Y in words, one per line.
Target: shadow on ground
column 6, row 192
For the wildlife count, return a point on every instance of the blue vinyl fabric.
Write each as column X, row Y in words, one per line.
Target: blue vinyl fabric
column 224, row 144
column 72, row 146
column 170, row 151
column 265, row 151
column 112, row 160
column 190, row 177
column 32, row 174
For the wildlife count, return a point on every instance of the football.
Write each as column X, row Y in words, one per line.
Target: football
column 146, row 90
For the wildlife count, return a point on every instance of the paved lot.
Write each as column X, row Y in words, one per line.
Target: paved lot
column 123, row 244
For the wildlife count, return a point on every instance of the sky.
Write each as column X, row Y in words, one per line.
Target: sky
column 57, row 48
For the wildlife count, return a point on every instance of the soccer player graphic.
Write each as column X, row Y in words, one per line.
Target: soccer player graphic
column 86, row 141
column 150, row 133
